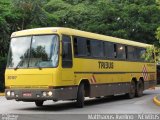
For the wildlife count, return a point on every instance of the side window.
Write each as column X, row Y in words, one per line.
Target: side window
column 109, row 50
column 80, row 46
column 158, row 68
column 96, row 48
column 88, row 47
column 66, row 52
column 139, row 54
column 121, row 52
column 131, row 53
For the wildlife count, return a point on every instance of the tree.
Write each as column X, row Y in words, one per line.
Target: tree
column 129, row 19
column 158, row 33
column 4, row 29
column 31, row 13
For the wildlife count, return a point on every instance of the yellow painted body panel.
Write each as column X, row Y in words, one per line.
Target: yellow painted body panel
column 123, row 71
column 30, row 78
column 69, row 31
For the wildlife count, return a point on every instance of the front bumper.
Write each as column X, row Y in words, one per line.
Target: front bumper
column 37, row 94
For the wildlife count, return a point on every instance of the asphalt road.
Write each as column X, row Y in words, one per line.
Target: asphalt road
column 110, row 105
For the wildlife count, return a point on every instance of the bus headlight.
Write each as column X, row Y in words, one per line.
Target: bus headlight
column 50, row 93
column 44, row 94
column 8, row 93
column 12, row 93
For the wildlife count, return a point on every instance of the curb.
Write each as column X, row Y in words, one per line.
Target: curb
column 1, row 94
column 156, row 101
column 157, row 88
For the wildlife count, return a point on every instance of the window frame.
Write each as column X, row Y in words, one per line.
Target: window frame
column 76, row 54
column 134, row 54
column 115, row 51
column 30, row 53
column 116, row 44
column 102, row 45
column 71, row 43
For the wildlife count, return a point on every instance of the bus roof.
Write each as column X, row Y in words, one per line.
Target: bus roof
column 74, row 32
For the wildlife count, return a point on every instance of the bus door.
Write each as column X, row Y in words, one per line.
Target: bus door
column 67, row 61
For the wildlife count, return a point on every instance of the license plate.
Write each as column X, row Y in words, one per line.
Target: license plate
column 27, row 94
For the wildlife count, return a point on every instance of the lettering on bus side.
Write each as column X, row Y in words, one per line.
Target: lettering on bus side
column 105, row 65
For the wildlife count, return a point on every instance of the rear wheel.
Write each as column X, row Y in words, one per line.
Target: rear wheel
column 39, row 103
column 80, row 96
column 140, row 88
column 132, row 90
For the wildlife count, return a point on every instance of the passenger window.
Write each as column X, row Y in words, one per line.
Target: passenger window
column 88, row 48
column 66, row 52
column 80, row 46
column 139, row 54
column 97, row 48
column 131, row 53
column 121, row 52
column 109, row 50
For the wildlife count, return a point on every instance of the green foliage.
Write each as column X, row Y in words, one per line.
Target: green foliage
column 158, row 33
column 157, row 53
column 158, row 48
column 136, row 20
column 129, row 19
column 149, row 54
column 4, row 26
column 2, row 70
column 30, row 12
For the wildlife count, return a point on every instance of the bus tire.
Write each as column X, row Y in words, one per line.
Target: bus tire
column 140, row 88
column 39, row 103
column 132, row 90
column 80, row 96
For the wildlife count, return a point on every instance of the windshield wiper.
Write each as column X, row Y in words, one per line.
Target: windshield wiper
column 17, row 65
column 40, row 68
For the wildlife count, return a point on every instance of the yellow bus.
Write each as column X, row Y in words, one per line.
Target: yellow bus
column 58, row 63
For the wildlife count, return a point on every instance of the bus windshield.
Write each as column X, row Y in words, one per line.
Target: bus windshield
column 39, row 51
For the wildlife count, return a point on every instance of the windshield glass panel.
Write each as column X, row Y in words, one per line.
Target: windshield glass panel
column 33, row 51
column 44, row 51
column 19, row 50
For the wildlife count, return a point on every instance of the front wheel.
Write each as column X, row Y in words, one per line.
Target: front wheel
column 132, row 90
column 39, row 103
column 80, row 96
